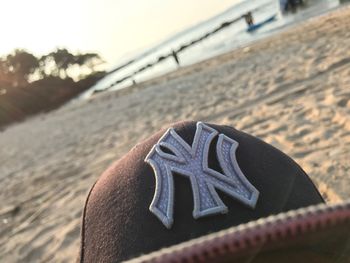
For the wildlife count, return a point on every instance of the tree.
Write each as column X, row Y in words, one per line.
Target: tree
column 89, row 61
column 5, row 78
column 21, row 64
column 57, row 63
column 63, row 60
column 61, row 63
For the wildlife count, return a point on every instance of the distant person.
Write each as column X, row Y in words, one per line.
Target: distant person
column 249, row 18
column 176, row 58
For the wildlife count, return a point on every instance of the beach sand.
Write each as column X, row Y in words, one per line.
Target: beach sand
column 291, row 90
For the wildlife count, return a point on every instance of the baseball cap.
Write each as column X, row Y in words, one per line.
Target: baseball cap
column 200, row 192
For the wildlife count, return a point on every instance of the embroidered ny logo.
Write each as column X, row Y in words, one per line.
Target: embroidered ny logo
column 192, row 161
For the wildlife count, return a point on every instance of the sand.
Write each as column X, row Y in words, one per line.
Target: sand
column 291, row 90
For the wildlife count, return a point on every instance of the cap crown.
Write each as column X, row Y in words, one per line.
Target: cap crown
column 117, row 224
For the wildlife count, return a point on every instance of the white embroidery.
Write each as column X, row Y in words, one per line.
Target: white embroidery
column 192, row 161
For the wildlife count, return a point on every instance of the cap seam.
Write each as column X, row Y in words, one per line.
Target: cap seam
column 82, row 243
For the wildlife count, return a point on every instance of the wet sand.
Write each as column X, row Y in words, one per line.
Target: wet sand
column 291, row 90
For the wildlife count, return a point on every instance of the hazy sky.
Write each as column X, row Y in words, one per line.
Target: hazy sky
column 110, row 27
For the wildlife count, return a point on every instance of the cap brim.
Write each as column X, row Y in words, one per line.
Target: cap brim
column 319, row 233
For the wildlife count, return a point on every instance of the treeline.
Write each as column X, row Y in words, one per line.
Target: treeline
column 30, row 84
column 21, row 67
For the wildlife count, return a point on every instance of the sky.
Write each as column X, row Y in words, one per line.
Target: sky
column 112, row 28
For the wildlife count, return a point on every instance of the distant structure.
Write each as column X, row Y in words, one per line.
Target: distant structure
column 176, row 58
column 291, row 5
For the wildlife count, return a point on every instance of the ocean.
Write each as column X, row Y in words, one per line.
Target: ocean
column 225, row 40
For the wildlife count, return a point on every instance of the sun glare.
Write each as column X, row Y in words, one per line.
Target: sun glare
column 40, row 25
column 111, row 28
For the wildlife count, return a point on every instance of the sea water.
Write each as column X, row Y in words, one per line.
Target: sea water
column 227, row 39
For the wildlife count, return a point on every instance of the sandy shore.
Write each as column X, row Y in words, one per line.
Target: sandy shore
column 291, row 90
